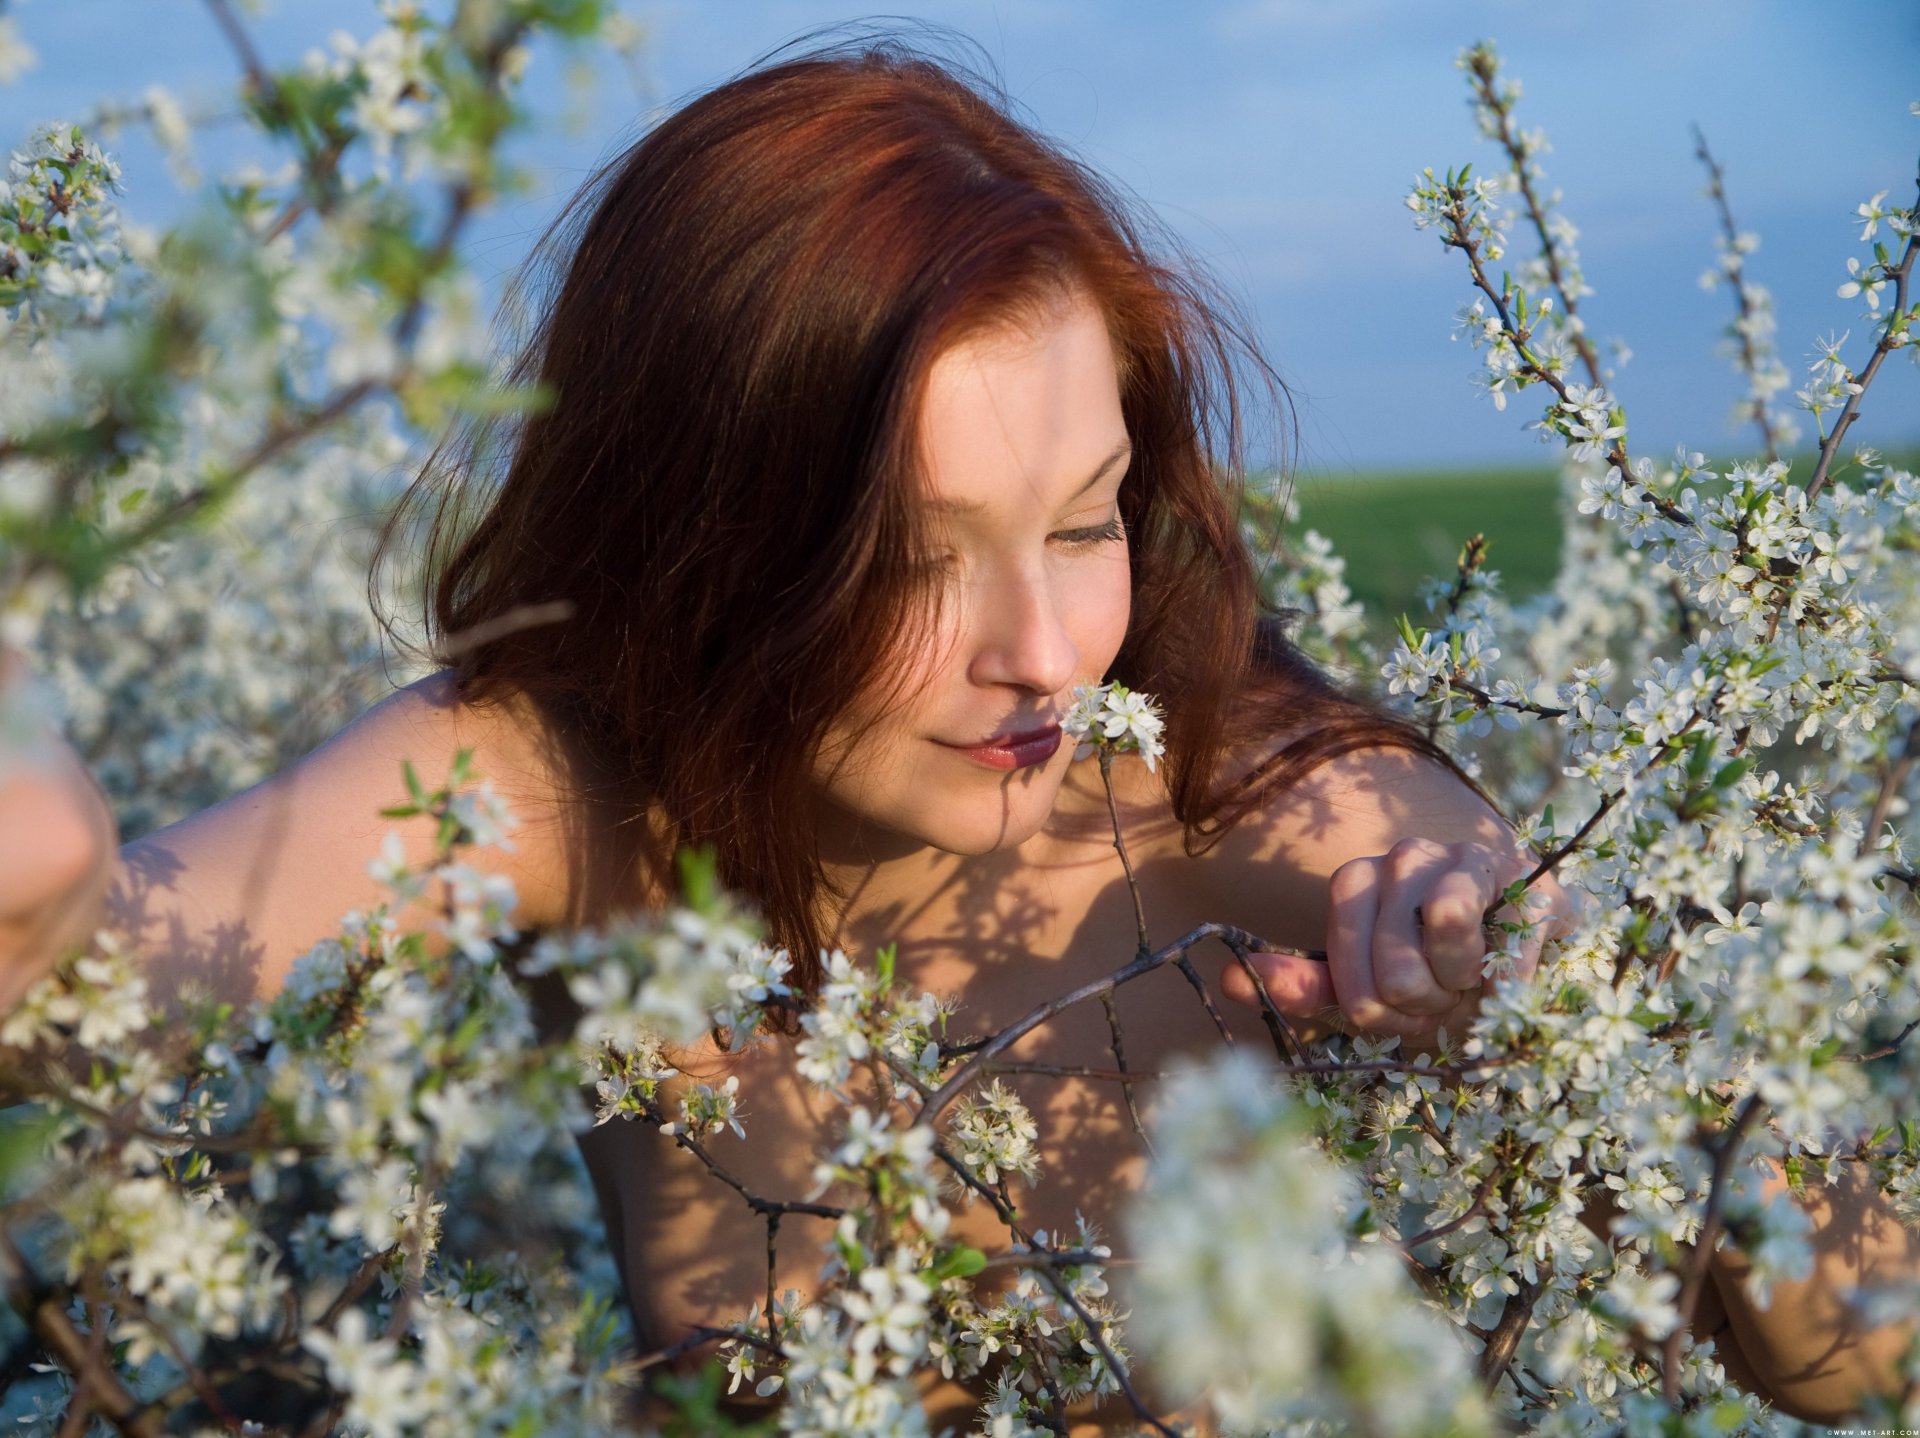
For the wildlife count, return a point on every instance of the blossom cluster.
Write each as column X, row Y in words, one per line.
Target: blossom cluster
column 1114, row 719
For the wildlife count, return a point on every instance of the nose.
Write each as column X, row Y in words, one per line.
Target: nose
column 1021, row 637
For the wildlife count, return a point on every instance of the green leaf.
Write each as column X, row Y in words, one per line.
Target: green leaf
column 883, row 964
column 961, row 1262
column 1732, row 774
column 24, row 1130
column 699, row 877
column 414, row 789
column 1699, row 755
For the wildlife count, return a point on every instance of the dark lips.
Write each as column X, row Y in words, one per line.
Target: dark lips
column 1014, row 751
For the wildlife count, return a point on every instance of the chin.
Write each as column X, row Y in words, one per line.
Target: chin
column 989, row 827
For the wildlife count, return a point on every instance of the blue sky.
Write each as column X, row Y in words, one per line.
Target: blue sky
column 1278, row 138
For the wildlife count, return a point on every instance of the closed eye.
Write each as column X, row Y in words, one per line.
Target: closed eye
column 1086, row 538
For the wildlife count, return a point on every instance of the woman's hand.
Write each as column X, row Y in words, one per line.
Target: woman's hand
column 58, row 843
column 1405, row 941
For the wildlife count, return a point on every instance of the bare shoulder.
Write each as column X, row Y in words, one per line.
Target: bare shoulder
column 227, row 898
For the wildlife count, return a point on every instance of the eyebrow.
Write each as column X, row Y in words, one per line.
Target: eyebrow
column 1120, row 451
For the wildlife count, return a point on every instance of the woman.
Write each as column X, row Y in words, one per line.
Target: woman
column 876, row 428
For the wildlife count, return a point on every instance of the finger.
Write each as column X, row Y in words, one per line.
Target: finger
column 1354, row 891
column 1402, row 971
column 1299, row 987
column 1453, row 924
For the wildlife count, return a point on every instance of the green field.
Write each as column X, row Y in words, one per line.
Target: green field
column 1395, row 528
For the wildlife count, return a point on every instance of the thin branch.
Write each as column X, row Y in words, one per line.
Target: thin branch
column 1504, row 1342
column 1120, row 847
column 1482, row 67
column 1695, row 1273
column 1120, row 1076
column 698, row 1337
column 1749, row 354
column 754, row 1201
column 1119, row 1043
column 1185, row 965
column 45, row 1313
column 1286, row 1040
column 1463, row 239
column 1817, row 480
column 1126, row 973
column 1890, row 785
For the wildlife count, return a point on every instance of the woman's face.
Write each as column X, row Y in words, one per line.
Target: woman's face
column 1023, row 449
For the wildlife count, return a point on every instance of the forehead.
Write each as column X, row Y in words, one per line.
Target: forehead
column 1020, row 413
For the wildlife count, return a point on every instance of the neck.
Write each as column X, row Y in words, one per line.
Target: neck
column 884, row 884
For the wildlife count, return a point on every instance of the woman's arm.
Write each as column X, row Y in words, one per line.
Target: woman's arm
column 1815, row 1359
column 1805, row 1351
column 220, row 904
column 1344, row 856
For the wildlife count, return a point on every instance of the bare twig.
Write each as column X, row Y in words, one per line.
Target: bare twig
column 1145, row 964
column 1831, row 446
column 44, row 1311
column 1891, row 784
column 1694, row 1272
column 1749, row 354
column 1119, row 1043
column 1120, row 847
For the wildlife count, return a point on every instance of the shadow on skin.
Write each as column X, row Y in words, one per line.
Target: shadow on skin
column 1003, row 936
column 221, row 962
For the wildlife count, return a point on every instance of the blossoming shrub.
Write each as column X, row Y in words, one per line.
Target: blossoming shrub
column 360, row 1205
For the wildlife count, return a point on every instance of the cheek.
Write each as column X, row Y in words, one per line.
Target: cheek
column 1110, row 609
column 913, row 669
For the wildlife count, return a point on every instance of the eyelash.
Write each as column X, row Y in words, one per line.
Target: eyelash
column 1104, row 534
column 1110, row 532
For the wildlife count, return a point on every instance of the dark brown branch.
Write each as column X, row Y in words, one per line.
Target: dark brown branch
column 1884, row 1051
column 1890, row 785
column 1504, row 1342
column 699, row 1337
column 754, row 1201
column 1119, row 1076
column 1695, row 1270
column 1286, row 1041
column 1817, row 480
column 1126, row 973
column 1120, row 848
column 45, row 1313
column 1463, row 239
column 1119, row 1043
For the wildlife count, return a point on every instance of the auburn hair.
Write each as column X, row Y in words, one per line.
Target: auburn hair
column 741, row 313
